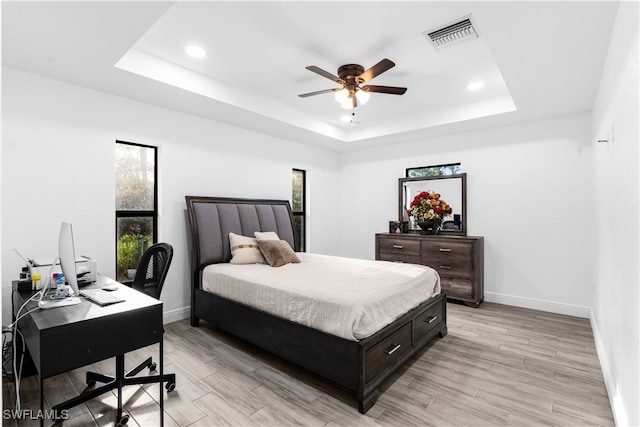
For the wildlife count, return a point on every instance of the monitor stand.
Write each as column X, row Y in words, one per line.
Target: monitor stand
column 54, row 303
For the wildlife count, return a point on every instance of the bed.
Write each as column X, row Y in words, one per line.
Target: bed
column 359, row 363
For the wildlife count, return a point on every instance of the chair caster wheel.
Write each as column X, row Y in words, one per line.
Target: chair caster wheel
column 153, row 367
column 91, row 383
column 123, row 420
column 170, row 386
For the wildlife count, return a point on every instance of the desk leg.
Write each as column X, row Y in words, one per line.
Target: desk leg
column 120, row 382
column 161, row 380
column 41, row 400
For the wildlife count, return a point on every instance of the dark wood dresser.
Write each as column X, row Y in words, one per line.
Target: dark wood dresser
column 458, row 259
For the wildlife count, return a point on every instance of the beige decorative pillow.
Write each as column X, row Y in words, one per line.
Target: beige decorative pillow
column 266, row 235
column 278, row 252
column 244, row 250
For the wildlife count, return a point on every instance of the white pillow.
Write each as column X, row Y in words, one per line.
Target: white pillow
column 244, row 250
column 266, row 235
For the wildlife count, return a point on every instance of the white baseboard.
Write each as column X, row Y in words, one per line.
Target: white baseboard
column 176, row 315
column 616, row 403
column 536, row 304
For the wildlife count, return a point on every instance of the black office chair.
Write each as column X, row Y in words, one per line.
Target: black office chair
column 152, row 270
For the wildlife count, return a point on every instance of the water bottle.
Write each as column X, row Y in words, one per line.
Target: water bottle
column 61, row 288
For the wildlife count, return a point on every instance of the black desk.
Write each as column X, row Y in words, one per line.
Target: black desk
column 66, row 338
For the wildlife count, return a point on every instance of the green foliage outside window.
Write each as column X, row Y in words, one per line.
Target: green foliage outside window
column 130, row 249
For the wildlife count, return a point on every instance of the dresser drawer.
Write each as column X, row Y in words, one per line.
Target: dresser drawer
column 459, row 260
column 450, row 267
column 411, row 259
column 447, row 249
column 399, row 246
column 427, row 321
column 386, row 351
column 457, row 287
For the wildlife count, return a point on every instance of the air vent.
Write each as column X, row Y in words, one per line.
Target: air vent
column 456, row 32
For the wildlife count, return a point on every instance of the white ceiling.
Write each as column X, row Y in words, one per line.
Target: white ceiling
column 537, row 59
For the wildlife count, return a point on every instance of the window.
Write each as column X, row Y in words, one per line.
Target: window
column 448, row 169
column 136, row 205
column 298, row 203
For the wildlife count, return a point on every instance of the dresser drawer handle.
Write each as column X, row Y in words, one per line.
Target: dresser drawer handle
column 398, row 247
column 393, row 350
column 445, row 267
column 431, row 319
column 445, row 250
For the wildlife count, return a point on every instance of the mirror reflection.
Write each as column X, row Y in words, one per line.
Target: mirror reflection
column 452, row 188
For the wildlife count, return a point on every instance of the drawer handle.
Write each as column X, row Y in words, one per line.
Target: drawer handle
column 393, row 350
column 445, row 267
column 431, row 319
column 445, row 250
column 398, row 247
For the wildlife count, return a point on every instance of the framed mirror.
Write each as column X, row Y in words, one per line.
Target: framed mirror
column 452, row 189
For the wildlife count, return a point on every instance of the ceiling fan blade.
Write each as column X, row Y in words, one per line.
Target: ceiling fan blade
column 376, row 70
column 393, row 90
column 324, row 73
column 304, row 95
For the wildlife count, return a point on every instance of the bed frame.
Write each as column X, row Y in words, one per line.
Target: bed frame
column 360, row 366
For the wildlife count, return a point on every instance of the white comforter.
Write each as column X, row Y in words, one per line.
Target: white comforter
column 349, row 298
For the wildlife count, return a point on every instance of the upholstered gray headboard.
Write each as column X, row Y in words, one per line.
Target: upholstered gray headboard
column 213, row 218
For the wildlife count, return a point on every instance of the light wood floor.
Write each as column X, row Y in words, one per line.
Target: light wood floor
column 498, row 365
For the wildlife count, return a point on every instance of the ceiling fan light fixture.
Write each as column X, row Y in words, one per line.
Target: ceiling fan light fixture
column 362, row 97
column 347, row 104
column 341, row 96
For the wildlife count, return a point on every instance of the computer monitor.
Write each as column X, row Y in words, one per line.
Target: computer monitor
column 67, row 256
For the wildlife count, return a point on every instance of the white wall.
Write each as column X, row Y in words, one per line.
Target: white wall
column 58, row 164
column 528, row 192
column 615, row 320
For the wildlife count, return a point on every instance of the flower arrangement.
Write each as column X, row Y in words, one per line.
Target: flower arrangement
column 429, row 207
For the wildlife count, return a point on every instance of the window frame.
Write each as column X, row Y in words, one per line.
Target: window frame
column 408, row 170
column 153, row 214
column 302, row 234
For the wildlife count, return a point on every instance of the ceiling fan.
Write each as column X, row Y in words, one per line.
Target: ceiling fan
column 351, row 76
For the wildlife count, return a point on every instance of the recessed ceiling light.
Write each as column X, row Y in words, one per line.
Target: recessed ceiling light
column 196, row 51
column 475, row 85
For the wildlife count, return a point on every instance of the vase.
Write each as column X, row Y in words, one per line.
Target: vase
column 429, row 227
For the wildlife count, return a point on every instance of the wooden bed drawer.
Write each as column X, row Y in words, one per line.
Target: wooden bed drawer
column 427, row 321
column 412, row 259
column 447, row 249
column 386, row 351
column 399, row 246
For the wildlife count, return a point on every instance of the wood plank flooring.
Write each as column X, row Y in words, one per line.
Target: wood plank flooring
column 498, row 365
